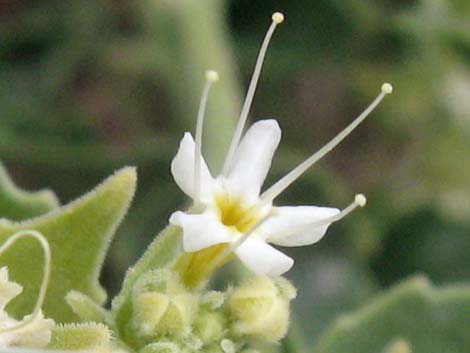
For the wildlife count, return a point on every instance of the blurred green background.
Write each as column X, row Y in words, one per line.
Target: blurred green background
column 89, row 86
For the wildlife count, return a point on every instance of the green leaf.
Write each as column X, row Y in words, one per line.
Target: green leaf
column 429, row 320
column 79, row 234
column 17, row 204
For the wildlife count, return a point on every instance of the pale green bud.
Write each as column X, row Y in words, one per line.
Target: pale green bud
column 149, row 309
column 157, row 314
column 209, row 326
column 162, row 306
column 179, row 315
column 261, row 308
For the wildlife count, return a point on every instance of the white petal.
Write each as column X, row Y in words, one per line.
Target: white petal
column 8, row 289
column 201, row 230
column 262, row 258
column 37, row 334
column 291, row 226
column 253, row 158
column 182, row 168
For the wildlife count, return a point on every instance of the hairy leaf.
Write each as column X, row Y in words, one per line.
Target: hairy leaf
column 427, row 319
column 78, row 234
column 17, row 204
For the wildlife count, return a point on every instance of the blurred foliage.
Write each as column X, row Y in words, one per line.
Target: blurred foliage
column 423, row 318
column 420, row 317
column 87, row 87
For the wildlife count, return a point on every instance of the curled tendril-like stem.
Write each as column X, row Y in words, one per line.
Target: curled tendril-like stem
column 46, row 276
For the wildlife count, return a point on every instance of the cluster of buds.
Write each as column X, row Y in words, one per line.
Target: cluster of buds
column 167, row 317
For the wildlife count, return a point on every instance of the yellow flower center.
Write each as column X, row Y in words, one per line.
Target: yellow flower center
column 235, row 214
column 197, row 266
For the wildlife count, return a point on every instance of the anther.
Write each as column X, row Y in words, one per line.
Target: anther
column 211, row 77
column 277, row 18
column 360, row 200
column 45, row 279
column 270, row 194
column 387, row 88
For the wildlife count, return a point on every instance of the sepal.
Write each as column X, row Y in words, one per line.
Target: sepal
column 89, row 336
column 85, row 307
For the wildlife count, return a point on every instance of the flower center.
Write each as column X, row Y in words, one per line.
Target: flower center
column 233, row 213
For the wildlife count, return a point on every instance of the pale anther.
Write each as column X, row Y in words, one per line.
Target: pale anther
column 387, row 88
column 211, row 77
column 277, row 18
column 46, row 274
column 360, row 199
column 276, row 189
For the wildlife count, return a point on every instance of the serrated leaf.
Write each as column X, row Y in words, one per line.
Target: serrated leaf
column 17, row 204
column 428, row 319
column 78, row 234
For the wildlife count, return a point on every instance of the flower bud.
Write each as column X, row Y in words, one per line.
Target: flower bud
column 162, row 306
column 261, row 308
column 149, row 309
column 209, row 326
column 179, row 315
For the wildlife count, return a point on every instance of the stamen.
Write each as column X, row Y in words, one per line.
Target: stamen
column 276, row 189
column 211, row 77
column 277, row 18
column 359, row 201
column 46, row 276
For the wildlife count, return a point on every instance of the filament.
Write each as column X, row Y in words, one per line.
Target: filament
column 277, row 18
column 46, row 274
column 276, row 189
column 211, row 77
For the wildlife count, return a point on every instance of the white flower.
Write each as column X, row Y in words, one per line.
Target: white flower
column 232, row 204
column 34, row 334
column 230, row 208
